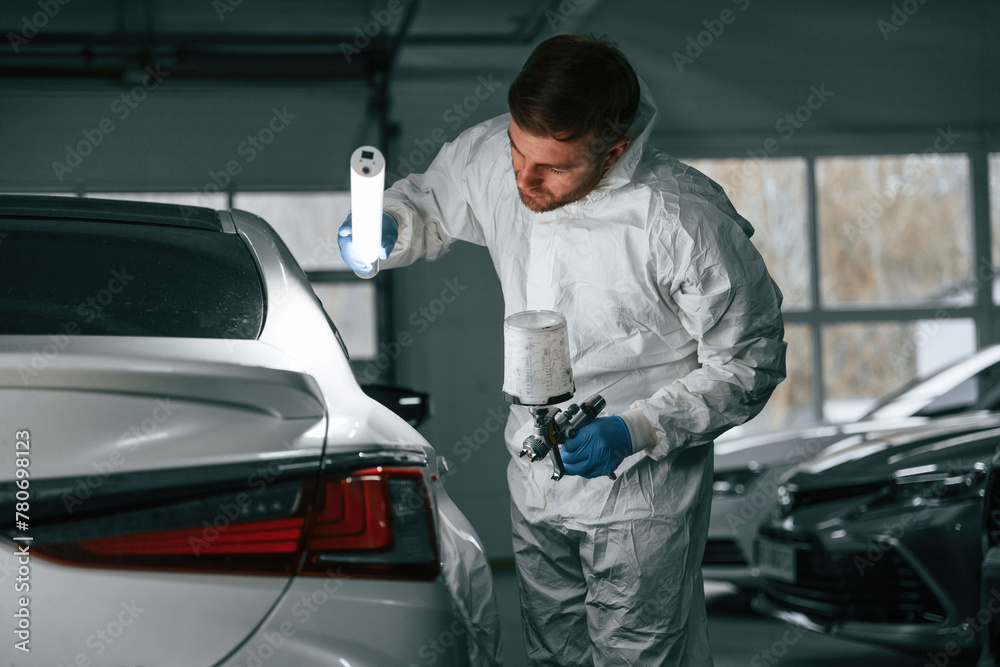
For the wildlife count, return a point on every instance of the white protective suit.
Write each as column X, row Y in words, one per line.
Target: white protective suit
column 673, row 318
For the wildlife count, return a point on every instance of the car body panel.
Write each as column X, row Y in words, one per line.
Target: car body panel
column 95, row 616
column 307, row 629
column 294, row 323
column 151, row 404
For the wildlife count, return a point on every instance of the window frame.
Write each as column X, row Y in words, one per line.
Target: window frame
column 814, row 314
column 983, row 312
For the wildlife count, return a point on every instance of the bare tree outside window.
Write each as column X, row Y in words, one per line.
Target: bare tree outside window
column 893, row 230
column 771, row 194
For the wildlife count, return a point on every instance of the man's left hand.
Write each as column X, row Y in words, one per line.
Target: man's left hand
column 598, row 448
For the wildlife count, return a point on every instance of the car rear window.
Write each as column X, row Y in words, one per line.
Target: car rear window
column 112, row 279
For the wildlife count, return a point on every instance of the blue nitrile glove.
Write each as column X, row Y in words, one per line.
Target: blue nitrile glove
column 598, row 448
column 390, row 232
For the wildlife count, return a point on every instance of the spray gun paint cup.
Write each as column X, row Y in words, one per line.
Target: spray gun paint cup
column 537, row 369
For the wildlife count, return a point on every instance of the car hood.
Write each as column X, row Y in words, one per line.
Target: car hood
column 789, row 446
column 952, row 443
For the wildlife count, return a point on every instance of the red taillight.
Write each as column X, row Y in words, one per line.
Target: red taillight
column 354, row 513
column 280, row 536
column 374, row 522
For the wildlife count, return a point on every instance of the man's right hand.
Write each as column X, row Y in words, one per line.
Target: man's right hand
column 345, row 239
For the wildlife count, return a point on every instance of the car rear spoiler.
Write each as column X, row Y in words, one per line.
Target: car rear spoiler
column 282, row 394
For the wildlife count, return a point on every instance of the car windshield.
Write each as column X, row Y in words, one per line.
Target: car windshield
column 61, row 277
column 972, row 384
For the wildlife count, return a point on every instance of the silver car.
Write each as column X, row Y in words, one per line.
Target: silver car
column 749, row 470
column 189, row 472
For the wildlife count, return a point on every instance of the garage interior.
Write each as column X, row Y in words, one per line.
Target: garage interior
column 258, row 105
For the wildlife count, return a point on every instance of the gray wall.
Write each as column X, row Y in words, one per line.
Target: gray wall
column 457, row 356
column 891, row 90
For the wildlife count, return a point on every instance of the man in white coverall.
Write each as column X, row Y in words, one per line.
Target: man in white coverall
column 672, row 317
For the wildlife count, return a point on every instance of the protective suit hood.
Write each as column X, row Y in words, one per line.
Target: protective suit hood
column 624, row 171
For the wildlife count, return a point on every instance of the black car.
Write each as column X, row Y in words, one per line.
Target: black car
column 879, row 539
column 988, row 616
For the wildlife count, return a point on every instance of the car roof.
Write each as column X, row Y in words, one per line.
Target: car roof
column 913, row 396
column 110, row 210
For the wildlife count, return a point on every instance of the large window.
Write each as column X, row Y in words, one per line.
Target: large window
column 994, row 169
column 771, row 195
column 889, row 292
column 893, row 229
column 865, row 361
column 306, row 221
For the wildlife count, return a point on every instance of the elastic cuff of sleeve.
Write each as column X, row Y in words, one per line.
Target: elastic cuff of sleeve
column 639, row 429
column 628, row 434
column 404, row 233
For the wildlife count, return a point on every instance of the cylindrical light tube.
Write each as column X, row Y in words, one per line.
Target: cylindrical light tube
column 367, row 185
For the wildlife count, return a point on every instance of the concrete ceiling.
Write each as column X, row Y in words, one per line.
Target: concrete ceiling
column 724, row 76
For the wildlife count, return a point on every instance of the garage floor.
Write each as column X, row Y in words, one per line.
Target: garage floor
column 739, row 636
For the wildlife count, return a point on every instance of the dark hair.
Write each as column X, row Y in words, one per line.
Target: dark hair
column 575, row 86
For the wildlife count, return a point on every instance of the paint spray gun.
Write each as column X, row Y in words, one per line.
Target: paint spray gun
column 554, row 426
column 537, row 375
